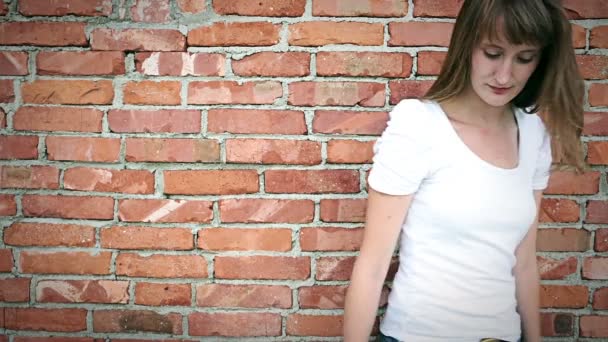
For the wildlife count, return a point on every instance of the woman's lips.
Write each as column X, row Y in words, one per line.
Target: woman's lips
column 499, row 90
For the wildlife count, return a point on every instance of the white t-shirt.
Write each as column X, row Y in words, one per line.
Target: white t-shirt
column 457, row 247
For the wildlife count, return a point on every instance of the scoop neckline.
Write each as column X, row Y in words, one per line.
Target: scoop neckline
column 475, row 156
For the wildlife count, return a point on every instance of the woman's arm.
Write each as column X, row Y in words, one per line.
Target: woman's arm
column 527, row 281
column 384, row 217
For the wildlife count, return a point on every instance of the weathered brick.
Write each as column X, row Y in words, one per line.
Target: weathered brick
column 155, row 121
column 601, row 240
column 598, row 94
column 18, row 147
column 80, row 63
column 152, row 93
column 562, row 240
column 311, row 181
column 307, row 93
column 211, row 182
column 15, row 289
column 180, row 64
column 599, row 37
column 334, row 268
column 235, row 34
column 29, row 177
column 571, row 183
column 192, row 6
column 595, row 268
column 13, row 63
column 8, row 206
column 314, row 325
column 151, row 11
column 600, row 299
column 564, row 296
column 161, row 210
column 593, row 67
column 6, row 260
column 349, row 122
column 318, row 33
column 595, row 123
column 407, row 89
column 437, row 8
column 83, row 291
column 593, row 326
column 343, row 210
column 262, row 8
column 43, row 33
column 172, row 150
column 559, row 210
column 159, row 294
column 83, row 148
column 246, row 239
column 262, row 267
column 430, row 62
column 243, row 296
column 65, row 7
column 358, row 8
column 81, row 207
column 349, row 151
column 381, row 64
column 597, row 211
column 266, row 211
column 79, row 92
column 57, row 119
column 161, row 266
column 279, row 64
column 273, row 151
column 253, row 121
column 557, row 324
column 80, row 263
column 330, row 239
column 7, row 91
column 119, row 237
column 597, row 152
column 49, row 235
column 236, row 324
column 420, row 33
column 322, row 297
column 231, row 92
column 579, row 36
column 109, row 180
column 556, row 268
column 585, row 9
column 136, row 321
column 134, row 39
column 59, row 320
column 2, row 119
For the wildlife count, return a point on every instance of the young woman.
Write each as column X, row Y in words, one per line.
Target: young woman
column 460, row 173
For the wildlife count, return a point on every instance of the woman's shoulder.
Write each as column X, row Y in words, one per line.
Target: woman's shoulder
column 532, row 122
column 414, row 114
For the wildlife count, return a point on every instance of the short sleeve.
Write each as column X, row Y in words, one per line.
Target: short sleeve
column 543, row 162
column 400, row 159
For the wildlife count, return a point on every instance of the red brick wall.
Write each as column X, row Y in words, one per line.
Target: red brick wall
column 197, row 168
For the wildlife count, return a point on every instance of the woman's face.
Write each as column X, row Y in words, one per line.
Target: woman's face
column 500, row 70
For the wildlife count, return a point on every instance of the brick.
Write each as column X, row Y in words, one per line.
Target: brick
column 3, row 11
column 151, row 11
column 322, row 297
column 136, row 321
column 65, row 7
column 83, row 148
column 119, row 237
column 570, row 183
column 135, row 39
column 381, row 64
column 437, row 8
column 552, row 269
column 555, row 324
column 262, row 8
column 585, row 9
column 599, row 37
column 211, row 182
column 430, row 62
column 273, row 151
column 236, row 324
column 59, row 320
column 343, row 210
column 159, row 294
column 314, row 325
column 152, row 93
column 29, row 177
column 597, row 152
column 407, row 89
column 311, row 181
column 598, row 94
column 13, row 63
column 595, row 268
column 80, row 263
column 349, row 151
column 180, row 64
column 7, row 91
column 231, row 92
column 593, row 67
column 18, row 147
column 80, row 63
column 83, row 291
column 161, row 266
column 334, row 268
column 2, row 119
column 307, row 93
column 262, row 267
column 6, row 260
column 564, row 296
column 349, row 122
column 57, row 119
column 562, row 240
column 172, row 150
column 597, row 211
column 192, row 6
column 76, row 207
column 247, row 239
column 279, row 64
column 15, row 290
column 243, row 296
column 49, row 235
column 358, row 8
column 319, row 33
column 595, row 123
column 253, row 121
column 78, row 92
column 164, row 211
column 8, row 206
column 330, row 239
column 600, row 299
column 559, row 210
column 420, row 33
column 43, row 33
column 235, row 34
column 109, row 180
column 266, row 211
column 579, row 36
column 593, row 326
column 601, row 240
column 154, row 121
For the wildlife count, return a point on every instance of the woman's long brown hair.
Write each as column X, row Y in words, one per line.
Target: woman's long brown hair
column 555, row 89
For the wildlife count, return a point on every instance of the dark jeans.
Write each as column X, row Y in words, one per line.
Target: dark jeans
column 384, row 338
